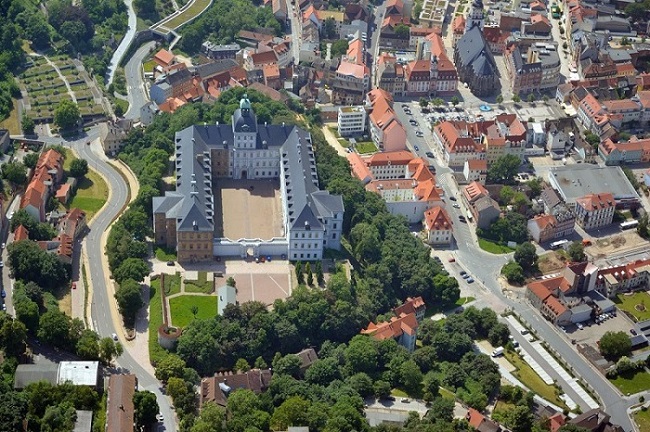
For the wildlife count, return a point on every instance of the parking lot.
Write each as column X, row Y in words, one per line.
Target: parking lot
column 592, row 332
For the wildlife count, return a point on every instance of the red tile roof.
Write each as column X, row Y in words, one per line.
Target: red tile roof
column 411, row 305
column 21, row 233
column 594, row 202
column 405, row 323
column 437, row 219
column 164, row 57
column 401, row 157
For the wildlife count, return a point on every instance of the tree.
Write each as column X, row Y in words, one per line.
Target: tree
column 576, row 251
column 30, row 160
column 88, row 345
column 318, row 269
column 339, row 48
column 504, row 169
column 109, row 350
column 411, row 377
column 382, row 389
column 545, row 98
column 27, row 124
column 145, row 407
column 498, row 335
column 402, row 31
column 499, row 99
column 636, row 11
column 15, row 172
column 442, row 410
column 531, row 97
column 131, row 268
column 323, row 372
column 55, row 328
column 520, row 419
column 170, row 366
column 573, row 428
column 242, row 365
column 292, row 412
column 129, row 300
column 642, row 228
column 455, row 101
column 526, row 256
column 66, row 114
column 13, row 334
column 310, row 275
column 299, row 274
column 29, row 262
column 506, row 194
column 423, row 102
column 329, row 28
column 211, row 419
column 287, row 365
column 231, row 282
column 614, row 345
column 79, row 168
column 516, row 98
column 513, row 273
column 592, row 139
column 431, row 386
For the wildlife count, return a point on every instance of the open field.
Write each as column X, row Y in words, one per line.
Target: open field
column 181, row 308
column 91, row 195
column 172, row 284
column 632, row 383
column 12, row 123
column 188, row 14
column 529, row 377
column 366, row 147
column 552, row 261
column 637, row 304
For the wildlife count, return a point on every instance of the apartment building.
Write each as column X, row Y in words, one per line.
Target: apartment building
column 351, row 120
column 595, row 210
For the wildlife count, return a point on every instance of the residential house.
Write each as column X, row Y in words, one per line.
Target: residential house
column 539, row 26
column 557, row 143
column 171, row 85
column 623, row 278
column 403, row 329
column 595, row 420
column 271, row 74
column 164, row 58
column 481, row 423
column 496, row 39
column 483, row 208
column 220, row 52
column 148, row 113
column 417, row 35
column 475, row 170
column 539, row 294
column 386, row 130
column 438, row 226
column 113, row 133
column 394, row 7
column 351, row 120
column 218, row 387
column 506, row 135
column 592, row 115
column 458, row 28
column 412, row 305
column 475, row 63
column 307, row 358
column 48, row 174
column 459, row 142
column 633, row 151
column 350, row 84
column 595, row 210
column 257, row 60
column 280, row 10
column 394, row 33
column 418, row 78
column 630, row 110
column 381, row 166
column 548, row 227
column 390, row 75
column 535, row 70
column 120, row 411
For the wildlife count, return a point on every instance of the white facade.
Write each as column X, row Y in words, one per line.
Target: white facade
column 439, row 236
column 352, row 120
column 389, row 171
column 595, row 218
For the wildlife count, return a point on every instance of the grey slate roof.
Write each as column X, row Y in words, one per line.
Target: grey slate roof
column 474, row 52
column 210, row 69
column 192, row 202
column 31, row 373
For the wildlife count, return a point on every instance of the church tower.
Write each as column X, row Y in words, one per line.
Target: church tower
column 476, row 16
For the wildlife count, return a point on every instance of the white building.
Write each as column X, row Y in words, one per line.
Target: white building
column 475, row 170
column 352, row 120
column 227, row 295
column 438, row 226
column 595, row 210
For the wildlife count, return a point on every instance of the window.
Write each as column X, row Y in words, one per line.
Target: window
column 334, row 226
column 315, row 245
column 308, row 256
column 302, row 255
column 334, row 236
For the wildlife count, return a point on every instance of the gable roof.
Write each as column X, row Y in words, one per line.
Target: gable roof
column 120, row 410
column 405, row 323
column 164, row 57
column 474, row 52
column 437, row 219
column 594, row 202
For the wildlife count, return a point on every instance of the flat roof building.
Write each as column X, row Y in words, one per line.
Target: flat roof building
column 575, row 181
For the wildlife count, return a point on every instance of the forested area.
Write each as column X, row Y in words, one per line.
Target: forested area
column 224, row 19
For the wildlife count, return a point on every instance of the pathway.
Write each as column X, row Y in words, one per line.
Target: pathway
column 333, row 141
column 65, row 81
column 125, row 43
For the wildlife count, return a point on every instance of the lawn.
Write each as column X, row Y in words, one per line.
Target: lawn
column 181, row 308
column 642, row 419
column 188, row 14
column 149, row 66
column 529, row 377
column 156, row 352
column 164, row 254
column 632, row 382
column 464, row 300
column 493, row 248
column 172, row 284
column 12, row 123
column 628, row 303
column 366, row 147
column 91, row 195
column 446, row 394
column 122, row 104
column 202, row 285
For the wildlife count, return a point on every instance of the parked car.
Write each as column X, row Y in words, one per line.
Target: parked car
column 170, row 263
column 631, row 330
column 417, row 149
column 580, row 326
column 453, row 198
column 455, row 205
column 429, row 154
column 462, row 273
column 470, row 280
column 114, row 336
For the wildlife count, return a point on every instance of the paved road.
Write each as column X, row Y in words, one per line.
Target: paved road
column 136, row 88
column 373, row 52
column 295, row 18
column 124, row 44
column 101, row 300
column 485, row 268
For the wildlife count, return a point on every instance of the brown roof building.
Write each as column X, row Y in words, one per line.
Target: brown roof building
column 217, row 388
column 119, row 405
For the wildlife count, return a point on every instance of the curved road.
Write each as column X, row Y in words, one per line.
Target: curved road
column 136, row 89
column 101, row 306
column 124, row 45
